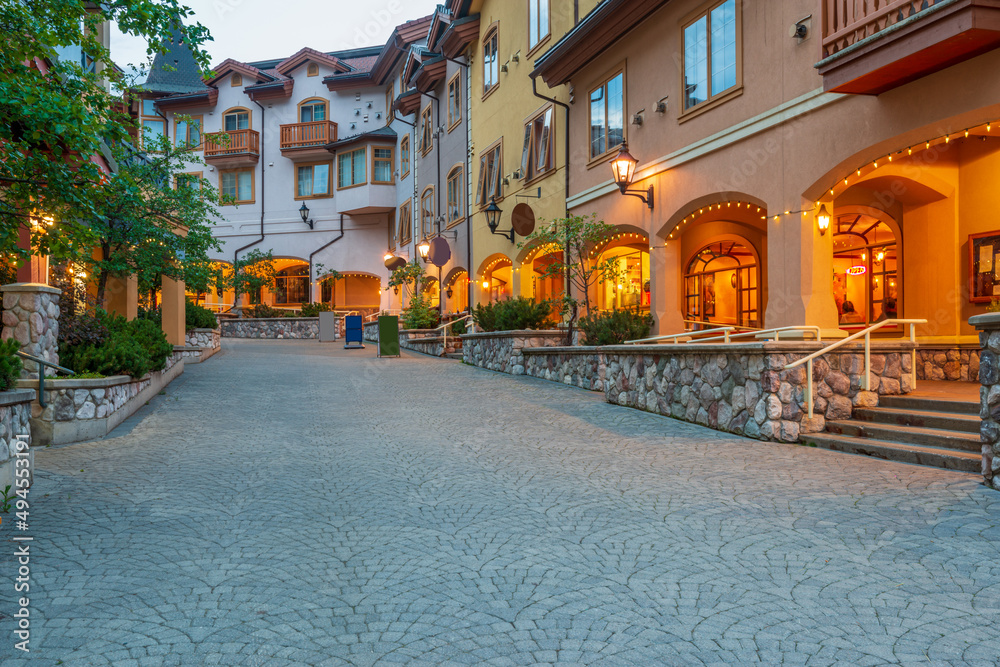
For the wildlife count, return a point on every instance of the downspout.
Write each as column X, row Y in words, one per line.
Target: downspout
column 534, row 90
column 468, row 182
column 263, row 191
column 319, row 250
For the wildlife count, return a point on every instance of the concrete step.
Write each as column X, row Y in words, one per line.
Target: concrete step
column 454, row 355
column 925, row 404
column 913, row 435
column 902, row 452
column 923, row 418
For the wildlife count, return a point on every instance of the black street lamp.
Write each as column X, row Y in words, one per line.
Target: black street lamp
column 304, row 212
column 493, row 213
column 623, row 168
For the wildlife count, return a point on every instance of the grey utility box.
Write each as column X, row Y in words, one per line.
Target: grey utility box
column 327, row 327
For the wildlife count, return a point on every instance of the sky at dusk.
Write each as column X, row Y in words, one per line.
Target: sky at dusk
column 264, row 29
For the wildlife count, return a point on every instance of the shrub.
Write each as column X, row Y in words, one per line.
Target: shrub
column 459, row 327
column 420, row 315
column 314, row 309
column 614, row 327
column 262, row 310
column 82, row 329
column 513, row 315
column 152, row 339
column 110, row 345
column 119, row 355
column 151, row 314
column 10, row 364
column 199, row 317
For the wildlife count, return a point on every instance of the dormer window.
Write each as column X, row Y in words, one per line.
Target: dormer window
column 312, row 69
column 237, row 80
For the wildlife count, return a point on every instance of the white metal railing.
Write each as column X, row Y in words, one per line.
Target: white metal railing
column 676, row 338
column 375, row 316
column 444, row 329
column 867, row 334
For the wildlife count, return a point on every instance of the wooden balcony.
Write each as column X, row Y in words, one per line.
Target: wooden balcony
column 871, row 46
column 305, row 141
column 241, row 148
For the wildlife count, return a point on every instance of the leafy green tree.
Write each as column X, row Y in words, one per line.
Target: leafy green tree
column 408, row 277
column 574, row 238
column 57, row 113
column 333, row 276
column 251, row 272
column 149, row 222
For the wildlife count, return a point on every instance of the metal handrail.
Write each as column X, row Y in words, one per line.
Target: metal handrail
column 867, row 333
column 687, row 334
column 445, row 326
column 764, row 332
column 41, row 374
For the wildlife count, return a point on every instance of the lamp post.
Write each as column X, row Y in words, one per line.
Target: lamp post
column 304, row 212
column 623, row 169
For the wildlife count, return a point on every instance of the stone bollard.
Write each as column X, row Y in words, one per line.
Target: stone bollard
column 31, row 316
column 989, row 394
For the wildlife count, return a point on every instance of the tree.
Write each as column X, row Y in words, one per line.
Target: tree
column 574, row 237
column 150, row 223
column 57, row 113
column 333, row 276
column 251, row 272
column 408, row 277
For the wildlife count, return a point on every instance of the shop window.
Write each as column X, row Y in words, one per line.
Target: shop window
column 721, row 285
column 291, row 285
column 631, row 290
column 865, row 270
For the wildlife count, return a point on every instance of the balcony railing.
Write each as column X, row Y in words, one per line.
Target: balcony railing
column 306, row 135
column 240, row 142
column 847, row 22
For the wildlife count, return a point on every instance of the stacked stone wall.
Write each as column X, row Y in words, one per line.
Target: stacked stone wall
column 295, row 328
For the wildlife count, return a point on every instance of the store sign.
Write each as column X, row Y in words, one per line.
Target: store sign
column 858, row 270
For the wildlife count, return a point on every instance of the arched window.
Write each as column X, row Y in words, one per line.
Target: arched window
column 291, row 285
column 237, row 118
column 865, row 270
column 312, row 110
column 722, row 286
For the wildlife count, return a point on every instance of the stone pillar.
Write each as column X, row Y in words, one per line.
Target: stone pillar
column 122, row 296
column 31, row 315
column 172, row 311
column 989, row 394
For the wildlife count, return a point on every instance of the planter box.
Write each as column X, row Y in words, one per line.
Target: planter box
column 503, row 350
column 277, row 328
column 79, row 410
column 15, row 416
column 201, row 344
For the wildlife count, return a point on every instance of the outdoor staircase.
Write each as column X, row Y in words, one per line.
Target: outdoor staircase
column 930, row 431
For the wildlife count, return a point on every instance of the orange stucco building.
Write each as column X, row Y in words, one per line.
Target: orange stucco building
column 752, row 121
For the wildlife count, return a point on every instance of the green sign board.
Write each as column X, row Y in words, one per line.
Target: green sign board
column 388, row 336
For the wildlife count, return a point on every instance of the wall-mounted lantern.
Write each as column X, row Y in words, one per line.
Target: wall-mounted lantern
column 623, row 168
column 823, row 220
column 304, row 212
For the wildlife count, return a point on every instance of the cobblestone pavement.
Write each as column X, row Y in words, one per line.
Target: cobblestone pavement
column 289, row 503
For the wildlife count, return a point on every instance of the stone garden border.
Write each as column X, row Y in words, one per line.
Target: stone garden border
column 15, row 417
column 79, row 410
column 200, row 345
column 278, row 328
column 503, row 351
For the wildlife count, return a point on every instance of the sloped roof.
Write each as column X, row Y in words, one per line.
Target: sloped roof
column 384, row 133
column 174, row 69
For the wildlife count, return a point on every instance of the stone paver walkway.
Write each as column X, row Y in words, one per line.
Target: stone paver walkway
column 289, row 503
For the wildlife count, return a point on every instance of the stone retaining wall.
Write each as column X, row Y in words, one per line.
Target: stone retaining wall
column 503, row 350
column 15, row 416
column 583, row 367
column 78, row 410
column 948, row 362
column 426, row 341
column 276, row 328
column 201, row 344
column 31, row 316
column 989, row 395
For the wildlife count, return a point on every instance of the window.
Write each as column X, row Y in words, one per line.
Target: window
column 427, row 211
column 291, row 285
column 710, row 54
column 536, row 157
column 426, row 130
column 312, row 69
column 187, row 133
column 455, row 204
column 721, row 285
column 237, row 80
column 154, row 125
column 491, row 64
column 390, row 96
column 382, row 165
column 237, row 184
column 490, row 170
column 404, row 156
column 351, row 168
column 454, row 101
column 405, row 224
column 236, row 119
column 607, row 116
column 312, row 110
column 866, row 263
column 313, row 180
column 538, row 22
column 190, row 180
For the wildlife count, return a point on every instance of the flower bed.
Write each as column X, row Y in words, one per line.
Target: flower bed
column 295, row 328
column 78, row 410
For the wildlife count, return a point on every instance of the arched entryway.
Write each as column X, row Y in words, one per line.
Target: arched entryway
column 353, row 291
column 496, row 280
column 456, row 285
column 722, row 284
column 537, row 266
column 866, row 269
